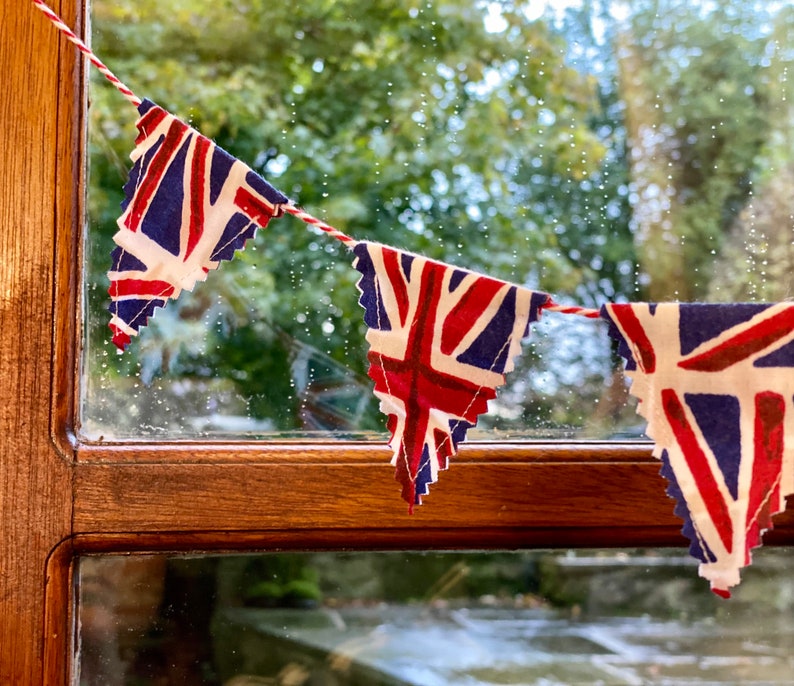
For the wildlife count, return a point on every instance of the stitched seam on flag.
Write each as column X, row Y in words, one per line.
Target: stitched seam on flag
column 761, row 505
column 401, row 449
column 189, row 274
column 701, row 542
column 448, row 437
column 219, row 248
column 143, row 309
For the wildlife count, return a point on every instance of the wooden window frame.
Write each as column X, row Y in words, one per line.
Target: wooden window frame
column 60, row 498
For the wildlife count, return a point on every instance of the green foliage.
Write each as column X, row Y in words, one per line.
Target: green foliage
column 758, row 258
column 409, row 124
column 556, row 153
column 290, row 581
column 698, row 110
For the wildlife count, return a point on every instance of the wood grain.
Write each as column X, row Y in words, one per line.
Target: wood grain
column 374, row 452
column 35, row 480
column 485, row 504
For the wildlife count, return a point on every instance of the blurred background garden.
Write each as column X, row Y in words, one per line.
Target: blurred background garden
column 540, row 618
column 599, row 150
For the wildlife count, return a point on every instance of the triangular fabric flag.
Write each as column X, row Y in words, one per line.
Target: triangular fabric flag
column 716, row 384
column 441, row 339
column 189, row 204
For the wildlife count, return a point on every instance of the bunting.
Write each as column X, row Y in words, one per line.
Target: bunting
column 441, row 339
column 716, row 385
column 715, row 382
column 188, row 205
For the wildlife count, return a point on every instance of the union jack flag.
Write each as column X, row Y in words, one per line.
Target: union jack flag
column 441, row 339
column 189, row 204
column 716, row 384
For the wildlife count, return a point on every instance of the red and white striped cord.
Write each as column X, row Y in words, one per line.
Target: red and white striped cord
column 550, row 306
column 135, row 100
column 292, row 209
column 313, row 221
column 571, row 309
column 99, row 64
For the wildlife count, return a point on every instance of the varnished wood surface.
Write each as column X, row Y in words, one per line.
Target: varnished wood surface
column 242, row 496
column 485, row 504
column 35, row 480
column 375, row 452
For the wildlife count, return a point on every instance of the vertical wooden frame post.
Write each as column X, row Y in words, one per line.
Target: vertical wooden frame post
column 40, row 125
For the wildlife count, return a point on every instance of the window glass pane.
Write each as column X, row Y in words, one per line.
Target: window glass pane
column 624, row 617
column 602, row 150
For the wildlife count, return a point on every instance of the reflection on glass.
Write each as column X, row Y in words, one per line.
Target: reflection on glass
column 601, row 151
column 475, row 619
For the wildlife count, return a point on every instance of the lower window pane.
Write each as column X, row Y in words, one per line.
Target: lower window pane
column 427, row 619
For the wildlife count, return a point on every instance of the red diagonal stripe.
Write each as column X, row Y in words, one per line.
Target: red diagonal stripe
column 632, row 328
column 744, row 344
column 467, row 310
column 141, row 287
column 253, row 207
column 149, row 122
column 768, row 441
column 153, row 174
column 397, row 279
column 196, row 192
column 699, row 466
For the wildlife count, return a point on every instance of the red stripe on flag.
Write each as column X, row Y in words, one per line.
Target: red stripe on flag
column 456, row 326
column 743, row 344
column 120, row 339
column 153, row 174
column 637, row 336
column 257, row 210
column 443, row 448
column 699, row 466
column 196, row 191
column 123, row 287
column 422, row 388
column 398, row 279
column 149, row 122
column 764, row 500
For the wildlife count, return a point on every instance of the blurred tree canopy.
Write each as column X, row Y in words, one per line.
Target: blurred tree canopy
column 697, row 113
column 592, row 154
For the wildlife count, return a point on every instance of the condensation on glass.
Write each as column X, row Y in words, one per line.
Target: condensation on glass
column 431, row 619
column 600, row 151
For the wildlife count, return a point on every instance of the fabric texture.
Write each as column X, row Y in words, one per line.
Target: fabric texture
column 441, row 339
column 189, row 204
column 716, row 385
